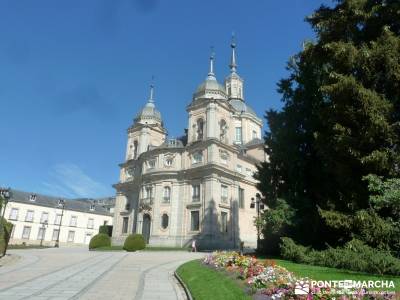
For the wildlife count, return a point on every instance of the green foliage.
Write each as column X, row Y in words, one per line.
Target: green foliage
column 339, row 123
column 354, row 255
column 106, row 229
column 134, row 242
column 100, row 240
column 5, row 234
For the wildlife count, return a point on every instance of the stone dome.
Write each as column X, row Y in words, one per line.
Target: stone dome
column 149, row 114
column 241, row 106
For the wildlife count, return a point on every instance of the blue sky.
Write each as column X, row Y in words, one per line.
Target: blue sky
column 74, row 73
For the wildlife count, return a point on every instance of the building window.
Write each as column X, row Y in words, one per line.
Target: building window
column 254, row 134
column 241, row 198
column 125, row 224
column 29, row 216
column 239, row 168
column 200, row 129
column 151, row 164
column 197, row 157
column 195, row 220
column 41, row 233
column 73, row 222
column 168, row 162
column 167, row 194
column 164, row 221
column 90, row 223
column 224, row 193
column 57, row 220
column 14, row 214
column 55, row 234
column 26, row 232
column 149, row 192
column 196, row 192
column 249, row 172
column 238, row 134
column 224, row 221
column 44, row 218
column 71, row 236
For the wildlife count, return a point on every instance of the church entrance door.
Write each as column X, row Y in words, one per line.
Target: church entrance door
column 146, row 227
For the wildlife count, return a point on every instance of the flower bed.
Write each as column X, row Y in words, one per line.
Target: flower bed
column 269, row 281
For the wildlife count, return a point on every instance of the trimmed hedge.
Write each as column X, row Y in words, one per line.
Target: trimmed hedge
column 106, row 229
column 134, row 242
column 354, row 255
column 100, row 240
column 5, row 234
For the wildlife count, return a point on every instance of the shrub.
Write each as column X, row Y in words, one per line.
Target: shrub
column 106, row 229
column 354, row 255
column 100, row 240
column 134, row 242
column 5, row 233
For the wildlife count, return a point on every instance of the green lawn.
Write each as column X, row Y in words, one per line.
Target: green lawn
column 205, row 283
column 324, row 273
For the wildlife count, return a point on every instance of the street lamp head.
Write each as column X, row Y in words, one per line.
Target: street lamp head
column 252, row 204
column 258, row 196
column 61, row 202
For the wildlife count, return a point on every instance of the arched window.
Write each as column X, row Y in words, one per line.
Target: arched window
column 167, row 194
column 164, row 221
column 200, row 129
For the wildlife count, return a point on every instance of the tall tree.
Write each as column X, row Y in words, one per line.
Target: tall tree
column 340, row 122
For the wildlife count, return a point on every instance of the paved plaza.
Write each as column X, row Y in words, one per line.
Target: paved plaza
column 76, row 273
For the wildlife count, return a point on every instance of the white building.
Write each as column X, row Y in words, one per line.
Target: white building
column 198, row 186
column 38, row 218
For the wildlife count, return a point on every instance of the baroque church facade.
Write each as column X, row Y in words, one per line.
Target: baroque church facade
column 198, row 186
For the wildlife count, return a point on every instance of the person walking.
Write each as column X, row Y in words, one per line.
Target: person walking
column 194, row 249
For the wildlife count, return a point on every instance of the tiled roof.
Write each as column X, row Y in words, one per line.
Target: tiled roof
column 81, row 205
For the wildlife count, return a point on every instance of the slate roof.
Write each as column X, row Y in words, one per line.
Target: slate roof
column 254, row 142
column 81, row 205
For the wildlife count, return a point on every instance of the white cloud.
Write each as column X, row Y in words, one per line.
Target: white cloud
column 68, row 180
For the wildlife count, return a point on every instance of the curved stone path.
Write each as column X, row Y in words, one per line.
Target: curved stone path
column 76, row 273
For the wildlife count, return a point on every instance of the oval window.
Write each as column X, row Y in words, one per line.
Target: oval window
column 164, row 221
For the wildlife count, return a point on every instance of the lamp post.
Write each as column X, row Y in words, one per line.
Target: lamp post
column 258, row 205
column 61, row 203
column 44, row 226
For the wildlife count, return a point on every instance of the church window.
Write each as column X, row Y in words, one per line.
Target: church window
column 167, row 194
column 240, row 93
column 224, row 221
column 168, row 162
column 200, row 129
column 238, row 134
column 196, row 192
column 194, row 220
column 197, row 157
column 164, row 221
column 125, row 224
column 224, row 193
